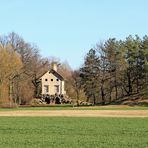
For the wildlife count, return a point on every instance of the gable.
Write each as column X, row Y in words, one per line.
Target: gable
column 52, row 74
column 56, row 74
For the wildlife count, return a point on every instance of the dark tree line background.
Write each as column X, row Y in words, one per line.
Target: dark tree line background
column 111, row 70
column 115, row 69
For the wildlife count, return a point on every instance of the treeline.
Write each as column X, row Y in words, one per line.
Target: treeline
column 21, row 65
column 114, row 69
column 111, row 70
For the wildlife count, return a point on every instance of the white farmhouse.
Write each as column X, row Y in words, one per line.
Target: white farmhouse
column 52, row 82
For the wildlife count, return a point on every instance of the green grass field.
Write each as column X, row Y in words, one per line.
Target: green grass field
column 68, row 107
column 73, row 132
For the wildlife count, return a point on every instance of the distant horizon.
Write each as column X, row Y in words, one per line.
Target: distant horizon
column 68, row 30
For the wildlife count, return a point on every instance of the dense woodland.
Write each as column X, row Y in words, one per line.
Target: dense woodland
column 115, row 69
column 112, row 70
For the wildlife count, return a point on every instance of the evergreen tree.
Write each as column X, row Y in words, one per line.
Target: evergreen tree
column 112, row 56
column 90, row 75
column 144, row 61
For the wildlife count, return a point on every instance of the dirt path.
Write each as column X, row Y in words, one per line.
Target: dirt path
column 78, row 113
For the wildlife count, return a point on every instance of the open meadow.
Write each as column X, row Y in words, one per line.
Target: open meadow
column 68, row 127
column 72, row 132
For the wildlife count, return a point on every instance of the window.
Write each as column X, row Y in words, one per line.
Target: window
column 57, row 79
column 46, row 88
column 56, row 87
column 46, row 79
column 51, row 79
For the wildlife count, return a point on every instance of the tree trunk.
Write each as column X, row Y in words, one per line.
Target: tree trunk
column 129, row 84
column 94, row 99
column 116, row 89
column 77, row 92
column 0, row 90
column 137, row 83
column 103, row 95
column 110, row 91
column 10, row 91
column 87, row 99
column 35, row 83
column 110, row 95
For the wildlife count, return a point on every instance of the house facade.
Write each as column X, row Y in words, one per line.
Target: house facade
column 52, row 82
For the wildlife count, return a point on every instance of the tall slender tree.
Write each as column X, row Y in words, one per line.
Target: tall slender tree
column 90, row 75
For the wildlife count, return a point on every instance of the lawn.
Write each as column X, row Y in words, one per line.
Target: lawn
column 69, row 107
column 73, row 132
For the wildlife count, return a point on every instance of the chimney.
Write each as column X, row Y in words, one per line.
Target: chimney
column 54, row 66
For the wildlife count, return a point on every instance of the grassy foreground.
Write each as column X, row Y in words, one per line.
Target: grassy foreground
column 71, row 132
column 68, row 107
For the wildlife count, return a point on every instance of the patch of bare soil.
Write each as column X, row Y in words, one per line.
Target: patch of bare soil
column 78, row 113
